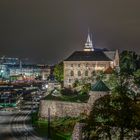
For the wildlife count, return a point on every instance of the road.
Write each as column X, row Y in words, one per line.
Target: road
column 5, row 130
column 17, row 125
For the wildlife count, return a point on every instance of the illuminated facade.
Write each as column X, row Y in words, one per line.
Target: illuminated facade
column 31, row 72
column 82, row 64
column 89, row 44
column 13, row 67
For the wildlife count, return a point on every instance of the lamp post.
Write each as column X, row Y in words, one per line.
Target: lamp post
column 49, row 135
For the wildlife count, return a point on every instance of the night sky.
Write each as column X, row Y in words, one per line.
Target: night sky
column 47, row 31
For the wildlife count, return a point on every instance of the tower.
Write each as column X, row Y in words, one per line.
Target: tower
column 89, row 44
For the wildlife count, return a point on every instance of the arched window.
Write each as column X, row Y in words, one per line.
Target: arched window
column 79, row 73
column 86, row 73
column 71, row 73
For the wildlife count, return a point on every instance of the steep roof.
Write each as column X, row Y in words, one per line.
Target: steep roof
column 99, row 86
column 91, row 56
column 110, row 54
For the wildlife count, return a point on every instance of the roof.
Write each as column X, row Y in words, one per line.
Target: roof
column 99, row 86
column 110, row 54
column 92, row 56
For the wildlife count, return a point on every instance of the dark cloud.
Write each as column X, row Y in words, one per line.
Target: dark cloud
column 49, row 30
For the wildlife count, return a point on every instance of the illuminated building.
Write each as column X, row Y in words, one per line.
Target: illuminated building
column 89, row 44
column 13, row 68
column 82, row 64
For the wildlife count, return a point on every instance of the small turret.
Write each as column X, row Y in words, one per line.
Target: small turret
column 98, row 90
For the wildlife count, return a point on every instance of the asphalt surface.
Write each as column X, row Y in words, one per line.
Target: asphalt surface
column 5, row 129
column 17, row 125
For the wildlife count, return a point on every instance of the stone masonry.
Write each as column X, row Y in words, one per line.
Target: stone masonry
column 71, row 109
column 77, row 131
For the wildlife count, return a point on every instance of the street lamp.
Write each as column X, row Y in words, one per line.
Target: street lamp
column 49, row 135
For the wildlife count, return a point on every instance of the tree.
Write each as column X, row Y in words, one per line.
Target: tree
column 76, row 83
column 99, row 75
column 86, row 88
column 112, row 81
column 137, row 77
column 59, row 72
column 128, row 62
column 115, row 116
column 98, row 119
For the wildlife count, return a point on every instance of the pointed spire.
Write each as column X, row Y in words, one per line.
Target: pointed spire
column 88, row 44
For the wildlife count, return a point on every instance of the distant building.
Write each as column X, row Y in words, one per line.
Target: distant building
column 30, row 72
column 14, row 68
column 82, row 64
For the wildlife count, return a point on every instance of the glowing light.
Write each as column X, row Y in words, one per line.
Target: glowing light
column 46, row 86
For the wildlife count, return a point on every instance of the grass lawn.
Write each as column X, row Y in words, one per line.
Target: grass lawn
column 60, row 129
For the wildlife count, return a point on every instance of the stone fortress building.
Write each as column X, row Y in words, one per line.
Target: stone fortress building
column 82, row 64
column 60, row 109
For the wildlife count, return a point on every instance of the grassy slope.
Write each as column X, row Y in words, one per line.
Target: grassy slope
column 61, row 129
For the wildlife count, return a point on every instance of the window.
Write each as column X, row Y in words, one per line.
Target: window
column 86, row 65
column 86, row 73
column 71, row 65
column 71, row 73
column 79, row 73
column 78, row 65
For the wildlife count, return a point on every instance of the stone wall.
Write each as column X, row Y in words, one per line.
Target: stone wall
column 94, row 95
column 62, row 109
column 71, row 109
column 77, row 131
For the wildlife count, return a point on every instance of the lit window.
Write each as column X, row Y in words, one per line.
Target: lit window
column 79, row 73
